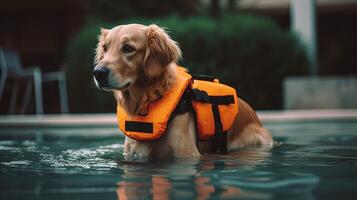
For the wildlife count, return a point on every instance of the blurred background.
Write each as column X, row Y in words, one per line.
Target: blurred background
column 252, row 45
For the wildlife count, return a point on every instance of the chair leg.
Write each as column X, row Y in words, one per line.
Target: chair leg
column 26, row 101
column 13, row 99
column 38, row 91
column 63, row 94
column 2, row 84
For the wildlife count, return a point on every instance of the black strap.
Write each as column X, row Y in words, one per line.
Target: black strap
column 217, row 118
column 143, row 127
column 200, row 95
column 220, row 137
column 184, row 105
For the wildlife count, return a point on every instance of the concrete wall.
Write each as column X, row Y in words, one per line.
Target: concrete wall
column 320, row 92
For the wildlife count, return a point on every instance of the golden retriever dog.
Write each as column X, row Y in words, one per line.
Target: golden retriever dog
column 138, row 63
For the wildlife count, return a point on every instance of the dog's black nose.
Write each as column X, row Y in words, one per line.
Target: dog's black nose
column 101, row 74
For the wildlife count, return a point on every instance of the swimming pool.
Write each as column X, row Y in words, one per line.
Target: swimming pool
column 315, row 159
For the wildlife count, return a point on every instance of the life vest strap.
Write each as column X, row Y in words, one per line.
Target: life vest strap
column 200, row 95
column 143, row 127
column 220, row 137
column 184, row 104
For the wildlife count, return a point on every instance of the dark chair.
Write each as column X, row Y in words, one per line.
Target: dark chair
column 11, row 68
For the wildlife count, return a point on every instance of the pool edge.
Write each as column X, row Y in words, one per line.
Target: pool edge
column 109, row 120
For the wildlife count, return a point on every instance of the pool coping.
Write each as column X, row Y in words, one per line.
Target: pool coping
column 109, row 120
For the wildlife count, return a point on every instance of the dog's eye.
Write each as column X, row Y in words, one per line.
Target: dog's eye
column 127, row 48
column 105, row 47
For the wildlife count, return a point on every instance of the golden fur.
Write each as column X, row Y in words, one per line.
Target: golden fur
column 141, row 73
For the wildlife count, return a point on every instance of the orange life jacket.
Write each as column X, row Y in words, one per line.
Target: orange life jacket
column 215, row 106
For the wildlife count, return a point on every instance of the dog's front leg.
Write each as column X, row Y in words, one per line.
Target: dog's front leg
column 179, row 141
column 181, row 135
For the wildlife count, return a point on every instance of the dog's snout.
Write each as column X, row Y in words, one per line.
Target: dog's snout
column 101, row 74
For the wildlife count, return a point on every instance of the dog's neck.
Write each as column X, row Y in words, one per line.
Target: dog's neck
column 138, row 97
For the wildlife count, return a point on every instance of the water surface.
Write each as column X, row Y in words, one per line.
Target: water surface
column 315, row 160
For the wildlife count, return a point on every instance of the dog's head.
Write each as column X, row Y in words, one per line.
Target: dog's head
column 128, row 53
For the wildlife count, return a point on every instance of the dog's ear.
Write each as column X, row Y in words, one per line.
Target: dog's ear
column 161, row 50
column 99, row 53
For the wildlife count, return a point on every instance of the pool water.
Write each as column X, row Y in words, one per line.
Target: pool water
column 315, row 160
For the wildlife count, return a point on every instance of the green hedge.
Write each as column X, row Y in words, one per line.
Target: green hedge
column 248, row 52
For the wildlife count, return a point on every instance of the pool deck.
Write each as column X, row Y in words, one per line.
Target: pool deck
column 110, row 121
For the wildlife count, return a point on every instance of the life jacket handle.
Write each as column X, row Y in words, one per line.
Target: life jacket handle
column 202, row 77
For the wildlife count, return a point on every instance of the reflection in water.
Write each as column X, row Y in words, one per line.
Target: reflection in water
column 159, row 189
column 158, row 182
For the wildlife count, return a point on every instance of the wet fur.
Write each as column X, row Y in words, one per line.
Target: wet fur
column 153, row 71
